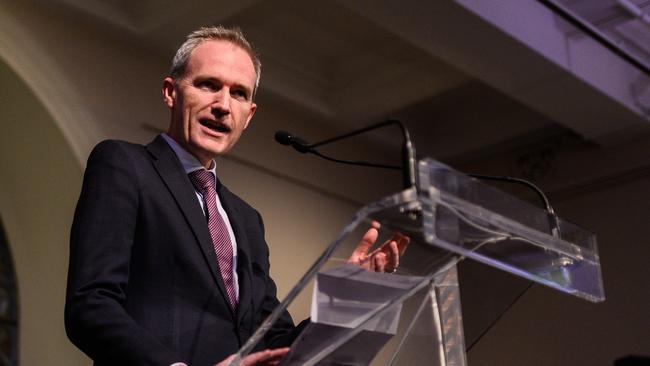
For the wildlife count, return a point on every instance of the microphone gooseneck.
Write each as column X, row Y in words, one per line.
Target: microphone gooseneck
column 408, row 150
column 554, row 220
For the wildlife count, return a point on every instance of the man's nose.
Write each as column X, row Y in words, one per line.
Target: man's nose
column 221, row 103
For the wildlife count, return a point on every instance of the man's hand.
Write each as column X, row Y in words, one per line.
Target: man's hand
column 269, row 357
column 383, row 259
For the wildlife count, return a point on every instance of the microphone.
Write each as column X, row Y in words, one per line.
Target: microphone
column 287, row 139
column 408, row 150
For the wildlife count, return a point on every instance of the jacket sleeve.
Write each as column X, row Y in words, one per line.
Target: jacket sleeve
column 101, row 239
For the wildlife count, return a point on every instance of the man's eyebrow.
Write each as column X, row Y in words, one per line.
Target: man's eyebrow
column 208, row 78
column 234, row 85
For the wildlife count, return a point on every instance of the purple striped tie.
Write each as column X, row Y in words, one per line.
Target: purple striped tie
column 203, row 181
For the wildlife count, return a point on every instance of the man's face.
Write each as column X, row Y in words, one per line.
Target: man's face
column 211, row 104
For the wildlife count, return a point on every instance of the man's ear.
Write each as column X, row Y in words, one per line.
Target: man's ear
column 250, row 115
column 169, row 92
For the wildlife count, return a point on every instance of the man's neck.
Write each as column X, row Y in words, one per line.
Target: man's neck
column 190, row 162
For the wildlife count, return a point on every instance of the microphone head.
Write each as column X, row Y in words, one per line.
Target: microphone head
column 287, row 139
column 283, row 137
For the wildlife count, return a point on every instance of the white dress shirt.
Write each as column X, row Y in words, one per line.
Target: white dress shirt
column 190, row 164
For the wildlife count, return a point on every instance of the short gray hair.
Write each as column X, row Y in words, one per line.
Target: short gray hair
column 220, row 33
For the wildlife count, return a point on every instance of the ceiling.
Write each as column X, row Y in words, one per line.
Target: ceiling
column 348, row 69
column 625, row 21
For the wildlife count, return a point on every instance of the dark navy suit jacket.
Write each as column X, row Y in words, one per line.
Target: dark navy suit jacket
column 144, row 287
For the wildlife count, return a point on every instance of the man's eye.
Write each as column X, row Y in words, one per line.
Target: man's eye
column 208, row 85
column 240, row 94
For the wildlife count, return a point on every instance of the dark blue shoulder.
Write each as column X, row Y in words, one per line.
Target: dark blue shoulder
column 111, row 149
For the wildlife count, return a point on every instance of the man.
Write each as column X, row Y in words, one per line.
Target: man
column 167, row 266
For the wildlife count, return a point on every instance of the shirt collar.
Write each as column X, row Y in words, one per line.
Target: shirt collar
column 190, row 162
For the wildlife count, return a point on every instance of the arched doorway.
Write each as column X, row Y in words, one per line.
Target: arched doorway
column 39, row 184
column 8, row 305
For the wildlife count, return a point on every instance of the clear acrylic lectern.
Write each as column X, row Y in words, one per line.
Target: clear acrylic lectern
column 413, row 316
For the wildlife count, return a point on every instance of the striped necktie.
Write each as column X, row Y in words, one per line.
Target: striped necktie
column 204, row 182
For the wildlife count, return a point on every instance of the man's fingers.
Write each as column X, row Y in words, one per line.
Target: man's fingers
column 385, row 258
column 380, row 261
column 393, row 256
column 226, row 362
column 402, row 243
column 392, row 248
column 367, row 241
column 266, row 357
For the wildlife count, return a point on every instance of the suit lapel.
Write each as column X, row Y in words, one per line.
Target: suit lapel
column 171, row 171
column 243, row 250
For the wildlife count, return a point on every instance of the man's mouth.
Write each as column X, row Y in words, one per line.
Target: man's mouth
column 214, row 125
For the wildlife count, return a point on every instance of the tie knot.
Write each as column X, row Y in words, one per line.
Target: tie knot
column 202, row 179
